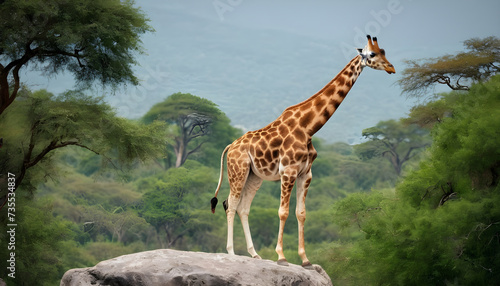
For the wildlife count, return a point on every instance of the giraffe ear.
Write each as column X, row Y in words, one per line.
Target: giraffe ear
column 359, row 51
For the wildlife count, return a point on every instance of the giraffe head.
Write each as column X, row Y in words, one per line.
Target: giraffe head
column 374, row 57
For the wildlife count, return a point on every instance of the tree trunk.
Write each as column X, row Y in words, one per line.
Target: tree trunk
column 179, row 153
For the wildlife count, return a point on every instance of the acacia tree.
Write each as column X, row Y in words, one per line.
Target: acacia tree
column 94, row 40
column 190, row 120
column 479, row 62
column 392, row 140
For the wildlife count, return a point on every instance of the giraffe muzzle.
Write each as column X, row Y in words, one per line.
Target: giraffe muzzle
column 390, row 69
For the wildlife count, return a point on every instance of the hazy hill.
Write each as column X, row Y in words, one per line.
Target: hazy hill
column 252, row 74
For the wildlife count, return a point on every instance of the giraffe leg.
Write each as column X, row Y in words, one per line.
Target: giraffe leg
column 287, row 181
column 300, row 211
column 248, row 193
column 232, row 202
column 237, row 174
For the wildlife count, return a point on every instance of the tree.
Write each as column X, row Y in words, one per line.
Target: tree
column 442, row 224
column 94, row 40
column 428, row 114
column 394, row 141
column 39, row 244
column 40, row 123
column 164, row 206
column 189, row 118
column 479, row 62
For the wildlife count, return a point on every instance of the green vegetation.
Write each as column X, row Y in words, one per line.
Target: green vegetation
column 108, row 196
column 192, row 122
column 442, row 224
column 92, row 186
column 478, row 63
column 393, row 140
column 94, row 40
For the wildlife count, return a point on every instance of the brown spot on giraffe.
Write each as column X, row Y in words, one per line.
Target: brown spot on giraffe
column 275, row 142
column 306, row 119
column 330, row 91
column 340, row 80
column 287, row 114
column 291, row 123
column 299, row 134
column 306, row 106
column 320, row 104
column 341, row 93
column 287, row 142
column 283, row 130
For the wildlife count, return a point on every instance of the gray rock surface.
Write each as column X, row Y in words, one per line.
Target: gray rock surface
column 170, row 267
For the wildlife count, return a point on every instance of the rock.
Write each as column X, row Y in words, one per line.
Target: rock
column 167, row 267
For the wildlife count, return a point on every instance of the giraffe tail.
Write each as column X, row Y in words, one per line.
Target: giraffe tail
column 214, row 199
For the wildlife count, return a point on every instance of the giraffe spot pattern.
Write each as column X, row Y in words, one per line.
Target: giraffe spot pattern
column 330, row 91
column 341, row 93
column 306, row 106
column 306, row 119
column 340, row 80
column 320, row 103
column 283, row 130
column 275, row 143
column 299, row 135
column 287, row 142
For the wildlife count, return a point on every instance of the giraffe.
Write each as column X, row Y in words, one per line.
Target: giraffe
column 283, row 151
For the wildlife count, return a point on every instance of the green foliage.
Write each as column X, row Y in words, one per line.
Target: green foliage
column 179, row 106
column 478, row 63
column 40, row 123
column 94, row 40
column 39, row 244
column 442, row 224
column 465, row 152
column 393, row 140
column 170, row 201
column 192, row 122
column 426, row 115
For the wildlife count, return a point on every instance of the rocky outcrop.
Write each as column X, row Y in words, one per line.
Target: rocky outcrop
column 167, row 267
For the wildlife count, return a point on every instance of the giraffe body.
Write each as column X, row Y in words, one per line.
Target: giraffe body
column 283, row 151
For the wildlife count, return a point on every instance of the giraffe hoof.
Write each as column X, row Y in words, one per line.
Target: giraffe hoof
column 308, row 265
column 283, row 262
column 257, row 257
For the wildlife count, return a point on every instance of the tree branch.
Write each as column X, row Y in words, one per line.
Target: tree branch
column 195, row 149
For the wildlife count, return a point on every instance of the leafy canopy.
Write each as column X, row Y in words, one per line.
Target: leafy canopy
column 40, row 123
column 191, row 121
column 94, row 40
column 441, row 225
column 393, row 140
column 458, row 71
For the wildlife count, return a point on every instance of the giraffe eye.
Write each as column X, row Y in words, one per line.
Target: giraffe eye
column 372, row 54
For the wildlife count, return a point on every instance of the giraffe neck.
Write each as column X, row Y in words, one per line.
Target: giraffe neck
column 315, row 111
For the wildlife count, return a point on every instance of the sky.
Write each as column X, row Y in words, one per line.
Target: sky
column 419, row 23
column 407, row 29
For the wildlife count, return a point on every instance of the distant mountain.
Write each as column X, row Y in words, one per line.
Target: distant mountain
column 252, row 74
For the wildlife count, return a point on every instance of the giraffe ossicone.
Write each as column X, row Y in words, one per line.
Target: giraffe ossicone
column 283, row 151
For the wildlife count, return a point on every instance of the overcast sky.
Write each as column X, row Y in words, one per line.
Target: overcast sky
column 421, row 24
